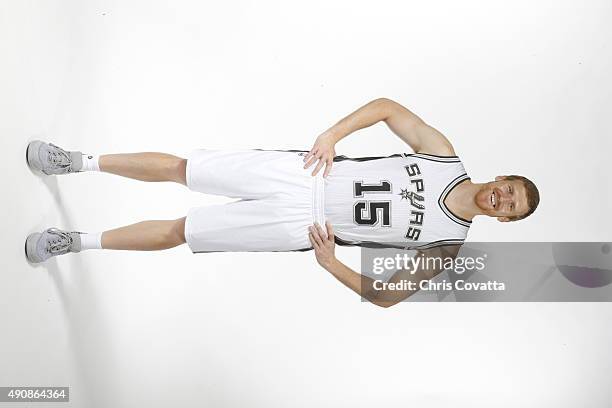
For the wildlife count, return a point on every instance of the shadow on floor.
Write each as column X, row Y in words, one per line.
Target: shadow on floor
column 89, row 334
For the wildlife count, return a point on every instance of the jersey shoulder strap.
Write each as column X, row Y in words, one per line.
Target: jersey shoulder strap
column 434, row 158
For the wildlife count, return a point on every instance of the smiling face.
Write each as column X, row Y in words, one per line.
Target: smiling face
column 503, row 198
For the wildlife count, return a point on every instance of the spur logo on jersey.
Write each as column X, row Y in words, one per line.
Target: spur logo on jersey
column 416, row 200
column 413, row 197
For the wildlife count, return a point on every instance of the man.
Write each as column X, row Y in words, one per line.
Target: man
column 422, row 201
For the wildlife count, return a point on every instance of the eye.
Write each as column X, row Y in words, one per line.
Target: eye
column 510, row 189
column 511, row 207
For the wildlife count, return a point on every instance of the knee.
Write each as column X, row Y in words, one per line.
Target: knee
column 177, row 232
column 179, row 170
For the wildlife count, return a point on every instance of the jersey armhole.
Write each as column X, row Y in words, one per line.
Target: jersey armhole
column 433, row 157
column 436, row 244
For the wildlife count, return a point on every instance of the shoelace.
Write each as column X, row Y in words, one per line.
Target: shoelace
column 59, row 157
column 63, row 243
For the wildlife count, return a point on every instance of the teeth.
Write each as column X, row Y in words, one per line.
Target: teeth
column 493, row 199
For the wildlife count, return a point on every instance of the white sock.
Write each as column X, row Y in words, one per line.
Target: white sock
column 90, row 162
column 91, row 241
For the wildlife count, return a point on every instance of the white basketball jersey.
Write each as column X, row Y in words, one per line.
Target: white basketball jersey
column 395, row 201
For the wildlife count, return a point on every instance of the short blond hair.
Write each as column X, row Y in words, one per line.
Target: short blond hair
column 533, row 196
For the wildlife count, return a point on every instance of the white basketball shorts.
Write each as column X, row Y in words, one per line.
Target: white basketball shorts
column 278, row 201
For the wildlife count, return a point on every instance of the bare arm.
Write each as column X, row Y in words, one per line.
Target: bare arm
column 421, row 137
column 365, row 286
column 366, row 116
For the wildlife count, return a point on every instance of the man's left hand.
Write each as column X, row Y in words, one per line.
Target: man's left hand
column 323, row 244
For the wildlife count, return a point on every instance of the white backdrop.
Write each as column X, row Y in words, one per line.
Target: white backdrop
column 521, row 87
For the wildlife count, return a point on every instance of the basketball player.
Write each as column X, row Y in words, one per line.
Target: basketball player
column 423, row 201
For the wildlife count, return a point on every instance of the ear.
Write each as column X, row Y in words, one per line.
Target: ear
column 503, row 219
column 499, row 178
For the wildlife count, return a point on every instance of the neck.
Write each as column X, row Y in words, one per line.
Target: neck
column 462, row 200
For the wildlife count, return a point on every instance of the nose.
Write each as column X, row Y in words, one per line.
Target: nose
column 503, row 195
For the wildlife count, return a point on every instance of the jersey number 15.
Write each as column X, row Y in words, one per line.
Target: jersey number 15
column 372, row 212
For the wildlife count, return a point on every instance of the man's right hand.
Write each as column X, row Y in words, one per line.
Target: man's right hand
column 322, row 151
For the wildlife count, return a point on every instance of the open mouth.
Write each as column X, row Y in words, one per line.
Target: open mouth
column 493, row 199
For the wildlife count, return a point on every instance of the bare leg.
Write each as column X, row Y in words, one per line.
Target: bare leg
column 146, row 236
column 145, row 166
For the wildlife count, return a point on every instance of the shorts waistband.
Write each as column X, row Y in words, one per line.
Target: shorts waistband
column 318, row 199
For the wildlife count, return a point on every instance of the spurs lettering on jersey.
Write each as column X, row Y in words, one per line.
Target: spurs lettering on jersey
column 418, row 213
